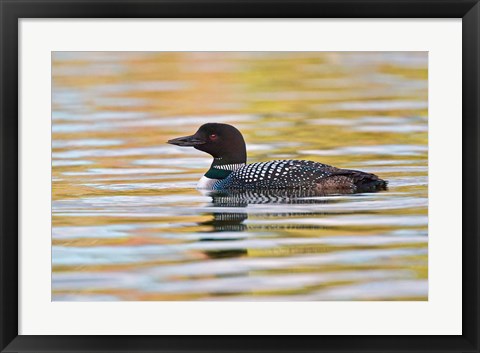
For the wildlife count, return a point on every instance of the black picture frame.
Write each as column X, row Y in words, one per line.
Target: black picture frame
column 13, row 10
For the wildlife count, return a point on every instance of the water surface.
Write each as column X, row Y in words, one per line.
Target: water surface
column 128, row 223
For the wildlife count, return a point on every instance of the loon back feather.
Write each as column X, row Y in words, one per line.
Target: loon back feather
column 352, row 179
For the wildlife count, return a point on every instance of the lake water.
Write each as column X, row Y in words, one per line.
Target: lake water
column 129, row 224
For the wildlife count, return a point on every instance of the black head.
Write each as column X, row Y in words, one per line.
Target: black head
column 220, row 140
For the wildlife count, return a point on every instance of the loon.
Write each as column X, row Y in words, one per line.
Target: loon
column 229, row 170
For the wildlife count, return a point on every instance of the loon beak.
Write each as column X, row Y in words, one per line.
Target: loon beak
column 185, row 141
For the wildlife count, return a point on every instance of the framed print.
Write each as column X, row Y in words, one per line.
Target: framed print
column 239, row 176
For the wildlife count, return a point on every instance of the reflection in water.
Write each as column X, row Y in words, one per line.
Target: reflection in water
column 241, row 198
column 128, row 223
column 228, row 221
column 233, row 222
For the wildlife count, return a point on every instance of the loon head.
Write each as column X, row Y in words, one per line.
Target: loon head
column 224, row 142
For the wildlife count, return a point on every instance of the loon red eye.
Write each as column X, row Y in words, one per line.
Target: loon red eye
column 213, row 136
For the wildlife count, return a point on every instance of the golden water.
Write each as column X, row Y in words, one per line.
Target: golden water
column 128, row 223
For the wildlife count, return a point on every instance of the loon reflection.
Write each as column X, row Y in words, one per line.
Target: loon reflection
column 226, row 222
column 242, row 198
column 232, row 220
column 236, row 201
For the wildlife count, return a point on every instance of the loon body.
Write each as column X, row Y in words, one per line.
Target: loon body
column 229, row 170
